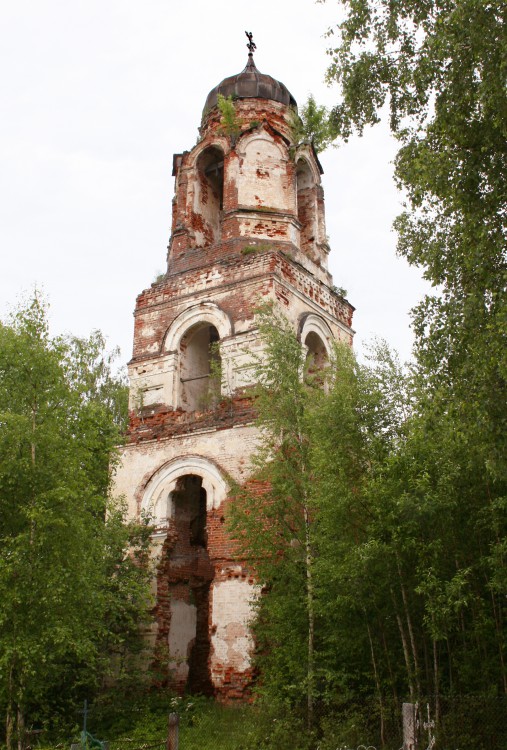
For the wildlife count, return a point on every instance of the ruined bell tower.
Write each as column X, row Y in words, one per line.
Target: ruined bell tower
column 248, row 226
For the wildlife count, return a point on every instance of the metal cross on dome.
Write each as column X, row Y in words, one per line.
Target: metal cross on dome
column 251, row 44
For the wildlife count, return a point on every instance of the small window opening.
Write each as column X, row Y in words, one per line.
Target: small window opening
column 189, row 511
column 209, row 197
column 316, row 357
column 200, row 369
column 198, row 537
column 306, row 207
column 214, row 173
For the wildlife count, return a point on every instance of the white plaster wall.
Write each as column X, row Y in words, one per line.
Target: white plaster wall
column 181, row 635
column 262, row 177
column 267, row 226
column 238, row 360
column 152, row 382
column 157, row 381
column 229, row 449
column 231, row 614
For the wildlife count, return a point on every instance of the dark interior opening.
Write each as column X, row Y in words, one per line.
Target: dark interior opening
column 316, row 357
column 209, row 196
column 190, row 575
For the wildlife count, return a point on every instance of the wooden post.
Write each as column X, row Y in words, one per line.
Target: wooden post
column 409, row 726
column 173, row 731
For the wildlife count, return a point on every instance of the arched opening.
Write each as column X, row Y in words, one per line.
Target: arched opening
column 306, row 206
column 209, row 197
column 188, row 574
column 200, row 368
column 316, row 357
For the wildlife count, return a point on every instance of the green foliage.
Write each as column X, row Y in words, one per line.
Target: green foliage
column 159, row 277
column 204, row 723
column 72, row 575
column 277, row 532
column 441, row 68
column 314, row 124
column 378, row 540
column 230, row 123
column 340, row 290
column 212, row 395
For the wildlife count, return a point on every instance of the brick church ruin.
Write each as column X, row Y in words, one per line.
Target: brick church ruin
column 248, row 226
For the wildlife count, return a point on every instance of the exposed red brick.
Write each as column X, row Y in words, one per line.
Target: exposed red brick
column 233, row 245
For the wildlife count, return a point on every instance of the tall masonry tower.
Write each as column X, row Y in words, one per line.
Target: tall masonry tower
column 248, row 227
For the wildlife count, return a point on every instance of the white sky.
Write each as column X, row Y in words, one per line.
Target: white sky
column 96, row 96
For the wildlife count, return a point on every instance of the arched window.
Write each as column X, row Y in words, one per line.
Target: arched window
column 316, row 336
column 193, row 339
column 209, row 196
column 200, row 368
column 158, row 490
column 306, row 206
column 316, row 357
column 188, row 508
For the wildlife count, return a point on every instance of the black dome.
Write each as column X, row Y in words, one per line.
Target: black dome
column 250, row 83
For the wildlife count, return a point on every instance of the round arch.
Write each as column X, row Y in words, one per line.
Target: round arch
column 220, row 143
column 206, row 312
column 156, row 498
column 311, row 323
column 304, row 154
column 249, row 138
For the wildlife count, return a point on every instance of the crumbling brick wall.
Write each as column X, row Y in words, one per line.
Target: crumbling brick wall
column 247, row 227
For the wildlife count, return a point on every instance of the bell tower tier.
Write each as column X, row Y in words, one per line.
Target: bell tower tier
column 248, row 227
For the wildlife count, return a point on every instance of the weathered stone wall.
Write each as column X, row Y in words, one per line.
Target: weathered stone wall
column 259, row 188
column 248, row 227
column 226, row 295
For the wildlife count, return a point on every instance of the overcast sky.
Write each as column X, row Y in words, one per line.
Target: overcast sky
column 96, row 96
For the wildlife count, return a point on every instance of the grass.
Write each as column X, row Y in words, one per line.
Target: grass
column 219, row 727
column 204, row 724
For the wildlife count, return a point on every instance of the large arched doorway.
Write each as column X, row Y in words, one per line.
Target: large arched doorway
column 186, row 575
column 180, row 498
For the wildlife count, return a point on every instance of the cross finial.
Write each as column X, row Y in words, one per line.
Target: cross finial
column 251, row 44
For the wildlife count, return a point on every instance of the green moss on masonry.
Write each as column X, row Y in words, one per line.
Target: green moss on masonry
column 250, row 249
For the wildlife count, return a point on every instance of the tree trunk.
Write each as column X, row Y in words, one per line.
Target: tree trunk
column 20, row 720
column 377, row 683
column 406, row 652
column 9, row 727
column 499, row 639
column 436, row 678
column 410, row 629
column 389, row 666
column 9, row 718
column 311, row 618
